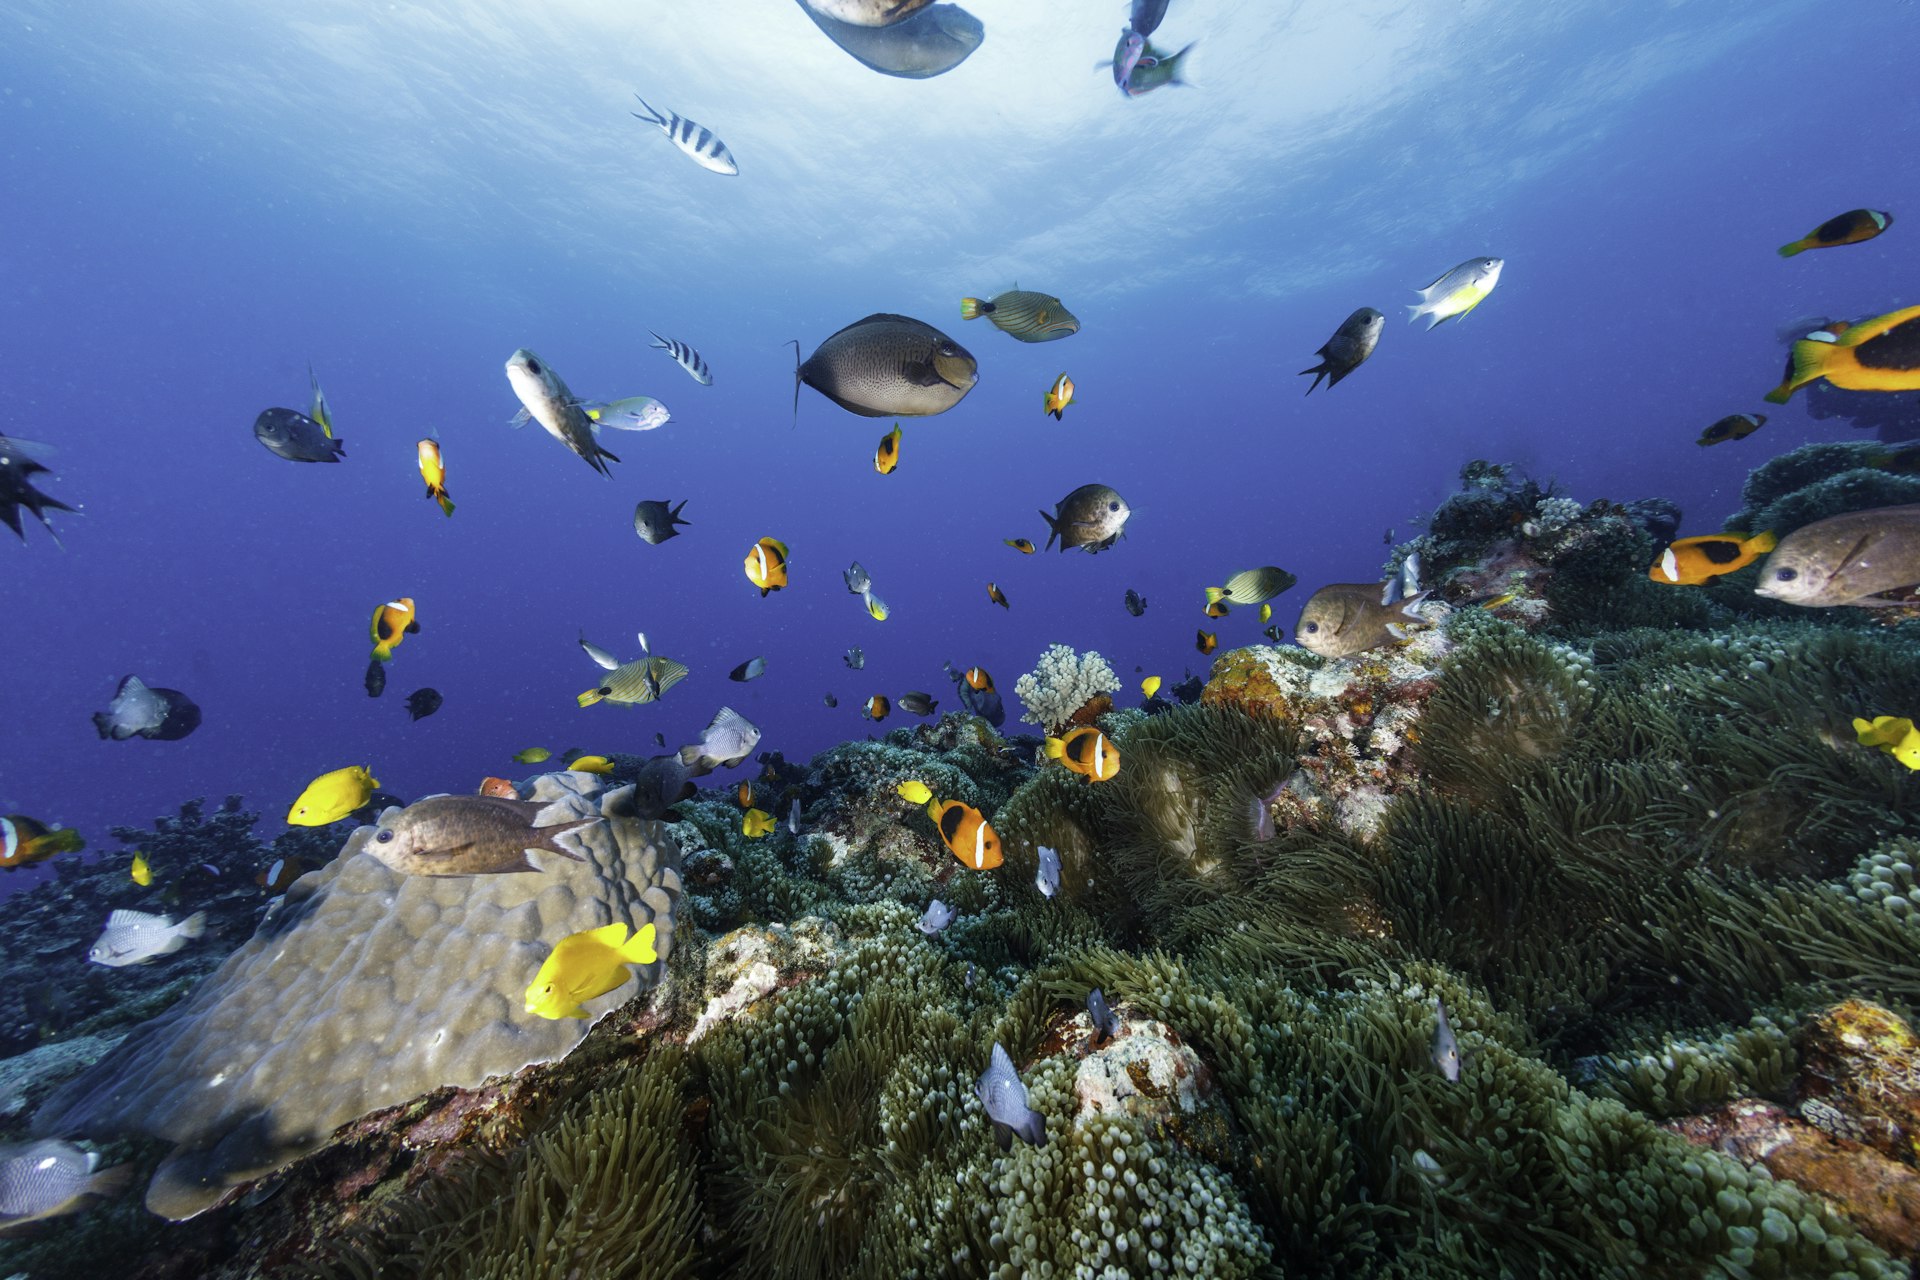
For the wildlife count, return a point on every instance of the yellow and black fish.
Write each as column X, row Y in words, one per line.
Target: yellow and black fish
column 1059, row 396
column 1881, row 354
column 24, row 841
column 877, row 707
column 1023, row 545
column 393, row 622
column 1217, row 609
column 967, row 833
column 978, row 680
column 1692, row 561
column 1735, row 426
column 1086, row 751
column 1204, row 641
column 1850, row 227
column 995, row 594
column 887, row 456
column 766, row 565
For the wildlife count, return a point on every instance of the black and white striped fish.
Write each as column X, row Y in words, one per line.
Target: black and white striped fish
column 698, row 141
column 686, row 357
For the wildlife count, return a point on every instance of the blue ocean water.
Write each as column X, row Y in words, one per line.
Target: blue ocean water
column 203, row 199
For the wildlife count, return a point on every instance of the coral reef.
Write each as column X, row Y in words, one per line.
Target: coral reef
column 1061, row 685
column 1820, row 480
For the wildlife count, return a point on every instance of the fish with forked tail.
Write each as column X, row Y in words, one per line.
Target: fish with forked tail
column 1348, row 348
column 546, row 399
column 466, row 836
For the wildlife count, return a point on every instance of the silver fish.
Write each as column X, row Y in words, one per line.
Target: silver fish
column 48, row 1178
column 700, row 143
column 135, row 937
column 857, row 579
column 931, row 42
column 937, row 917
column 1348, row 348
column 1005, row 1099
column 1445, row 1050
column 296, row 437
column 686, row 357
column 830, row 700
column 887, row 365
column 600, row 656
column 655, row 521
column 1046, row 876
column 794, row 825
column 545, row 399
column 1458, row 291
column 1092, row 516
column 635, row 413
column 728, row 739
column 139, row 710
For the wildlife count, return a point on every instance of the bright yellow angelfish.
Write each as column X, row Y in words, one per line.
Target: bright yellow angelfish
column 332, row 796
column 587, row 964
column 142, row 873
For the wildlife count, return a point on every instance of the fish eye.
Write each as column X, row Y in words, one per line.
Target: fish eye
column 384, row 837
column 533, row 367
column 1113, row 506
column 948, row 349
column 1785, row 575
column 1313, row 626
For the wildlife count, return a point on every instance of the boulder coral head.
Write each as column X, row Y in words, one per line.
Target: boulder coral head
column 363, row 988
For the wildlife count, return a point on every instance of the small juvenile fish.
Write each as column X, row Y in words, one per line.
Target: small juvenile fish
column 332, row 796
column 590, row 764
column 744, row 793
column 1894, row 735
column 1735, row 426
column 995, row 594
column 1218, row 608
column 1445, row 1050
column 887, row 456
column 318, row 408
column 793, row 817
column 830, row 700
column 656, row 521
column 1087, row 752
column 467, row 836
column 766, row 565
column 686, row 357
column 937, row 917
column 1105, row 1025
column 914, row 791
column 1458, row 291
column 1348, row 348
column 587, row 964
column 292, row 435
column 1135, row 602
column 1058, row 397
column 393, row 622
column 755, row 823
column 433, row 469
column 1024, row 314
column 423, row 702
column 1205, row 641
column 375, row 681
column 699, row 143
column 1150, row 686
column 1850, row 227
column 1005, row 1099
column 1023, row 545
column 135, row 937
column 1266, row 613
column 920, row 704
column 48, row 1178
column 141, row 872
column 855, row 658
column 533, row 755
column 751, row 669
column 1046, row 875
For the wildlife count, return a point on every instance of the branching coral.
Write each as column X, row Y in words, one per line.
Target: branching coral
column 1063, row 683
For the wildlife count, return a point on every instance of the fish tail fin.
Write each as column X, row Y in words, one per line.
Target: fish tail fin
column 796, row 380
column 1762, row 542
column 1174, row 67
column 674, row 515
column 1808, row 363
column 1798, row 246
column 933, row 809
column 1415, row 310
column 446, row 503
column 1058, row 415
column 194, row 925
column 383, row 653
column 63, row 840
column 1053, row 531
column 104, row 723
column 652, row 116
column 973, row 308
column 1318, row 371
column 1055, row 748
column 1215, row 594
column 639, row 948
column 590, row 697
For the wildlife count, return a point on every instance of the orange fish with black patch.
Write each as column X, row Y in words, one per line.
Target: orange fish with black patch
column 978, row 680
column 995, row 594
column 1692, row 561
column 967, row 833
column 1204, row 641
column 745, row 794
column 877, row 707
column 1851, row 227
column 887, row 456
column 1087, row 752
column 279, row 874
column 23, row 841
column 1217, row 609
column 393, row 622
column 1881, row 354
column 1023, row 545
column 766, row 565
column 1735, row 426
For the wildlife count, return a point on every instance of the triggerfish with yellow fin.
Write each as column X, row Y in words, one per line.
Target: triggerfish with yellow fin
column 1087, row 752
column 1894, row 735
column 332, row 796
column 1059, row 396
column 1851, row 227
column 1692, row 561
column 393, row 622
column 24, row 841
column 967, row 833
column 1881, row 354
column 766, row 565
column 587, row 964
column 1024, row 314
column 887, row 456
column 434, row 471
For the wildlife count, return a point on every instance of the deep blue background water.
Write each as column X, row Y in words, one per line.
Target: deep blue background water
column 198, row 204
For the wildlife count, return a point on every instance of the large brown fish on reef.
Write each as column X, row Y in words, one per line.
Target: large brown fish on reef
column 1345, row 618
column 888, row 366
column 466, row 836
column 1869, row 559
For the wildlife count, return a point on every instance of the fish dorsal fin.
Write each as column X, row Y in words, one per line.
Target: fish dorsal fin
column 123, row 918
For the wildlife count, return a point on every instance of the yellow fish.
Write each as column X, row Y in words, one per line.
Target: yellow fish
column 877, row 608
column 914, row 791
column 1266, row 614
column 332, row 796
column 393, row 622
column 1894, row 735
column 142, row 873
column 533, row 755
column 592, row 764
column 1059, row 396
column 434, row 471
column 887, row 456
column 587, row 964
column 766, row 565
column 755, row 823
column 1150, row 686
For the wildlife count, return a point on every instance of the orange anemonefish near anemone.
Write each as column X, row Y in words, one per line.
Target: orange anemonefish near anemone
column 24, row 841
column 1692, row 561
column 967, row 833
column 1087, row 752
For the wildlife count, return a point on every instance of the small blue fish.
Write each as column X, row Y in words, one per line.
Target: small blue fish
column 1105, row 1025
column 1005, row 1098
column 939, row 915
column 1046, row 878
